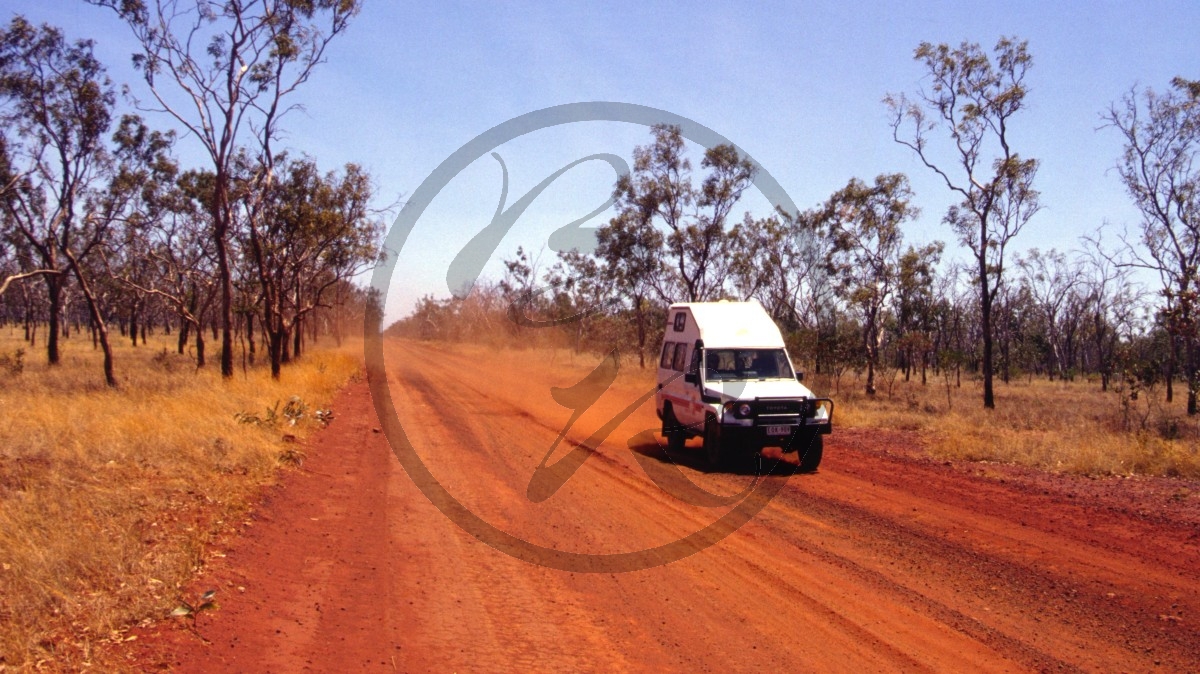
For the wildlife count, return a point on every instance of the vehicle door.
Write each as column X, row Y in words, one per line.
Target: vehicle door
column 693, row 391
column 682, row 394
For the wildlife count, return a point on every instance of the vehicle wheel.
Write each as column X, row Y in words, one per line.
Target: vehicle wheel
column 712, row 444
column 673, row 431
column 810, row 454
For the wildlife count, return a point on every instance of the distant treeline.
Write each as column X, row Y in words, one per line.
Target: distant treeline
column 849, row 293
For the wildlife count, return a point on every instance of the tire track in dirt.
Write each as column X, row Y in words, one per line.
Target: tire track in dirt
column 620, row 474
column 460, row 417
column 830, row 613
column 1063, row 590
column 876, row 563
column 1020, row 582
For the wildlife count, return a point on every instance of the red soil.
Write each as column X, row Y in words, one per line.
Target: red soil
column 881, row 561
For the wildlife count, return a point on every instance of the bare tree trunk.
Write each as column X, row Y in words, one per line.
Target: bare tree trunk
column 220, row 234
column 243, row 318
column 54, row 286
column 297, row 321
column 641, row 332
column 98, row 323
column 276, row 348
column 110, row 378
column 297, row 331
column 273, row 325
column 285, row 354
column 200, row 361
column 1191, row 376
column 985, row 306
column 184, row 328
column 871, row 346
column 337, row 320
column 1174, row 354
column 250, row 335
column 30, row 323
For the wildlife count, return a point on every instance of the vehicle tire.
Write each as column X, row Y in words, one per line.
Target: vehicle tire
column 673, row 431
column 713, row 451
column 810, row 454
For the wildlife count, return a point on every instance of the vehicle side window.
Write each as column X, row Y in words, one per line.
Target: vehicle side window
column 668, row 355
column 680, row 321
column 680, row 356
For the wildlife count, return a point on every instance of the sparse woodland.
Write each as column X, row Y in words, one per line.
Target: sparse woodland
column 153, row 314
column 854, row 299
column 187, row 293
column 105, row 235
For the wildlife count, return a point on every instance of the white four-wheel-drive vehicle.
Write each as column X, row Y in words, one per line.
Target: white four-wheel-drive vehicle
column 724, row 374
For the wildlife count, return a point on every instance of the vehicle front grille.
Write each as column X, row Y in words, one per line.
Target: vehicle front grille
column 784, row 406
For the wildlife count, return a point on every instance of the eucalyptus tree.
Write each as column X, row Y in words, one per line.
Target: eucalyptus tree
column 138, row 195
column 310, row 231
column 578, row 293
column 166, row 252
column 973, row 100
column 225, row 72
column 630, row 249
column 14, row 266
column 76, row 193
column 1113, row 302
column 58, row 100
column 330, row 231
column 915, row 305
column 186, row 258
column 864, row 223
column 660, row 189
column 519, row 285
column 1052, row 281
column 1159, row 167
column 778, row 261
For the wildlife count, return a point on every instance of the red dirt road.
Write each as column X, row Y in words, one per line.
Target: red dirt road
column 881, row 561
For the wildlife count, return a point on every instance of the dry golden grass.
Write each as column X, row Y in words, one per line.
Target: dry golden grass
column 1057, row 426
column 108, row 498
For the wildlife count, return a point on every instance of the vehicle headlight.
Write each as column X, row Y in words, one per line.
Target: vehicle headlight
column 744, row 410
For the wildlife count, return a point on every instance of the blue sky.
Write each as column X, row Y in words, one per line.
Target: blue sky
column 796, row 85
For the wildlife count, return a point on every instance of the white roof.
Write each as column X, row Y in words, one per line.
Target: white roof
column 734, row 324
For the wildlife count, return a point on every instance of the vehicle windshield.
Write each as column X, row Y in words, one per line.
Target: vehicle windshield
column 735, row 364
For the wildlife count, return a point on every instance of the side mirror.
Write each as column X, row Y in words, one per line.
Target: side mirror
column 692, row 378
column 799, row 376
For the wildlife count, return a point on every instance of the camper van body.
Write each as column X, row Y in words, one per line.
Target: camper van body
column 724, row 374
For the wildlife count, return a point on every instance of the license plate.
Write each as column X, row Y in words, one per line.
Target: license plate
column 779, row 430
